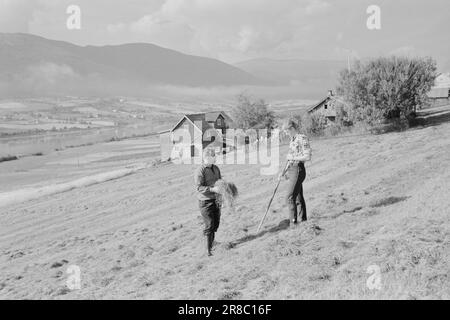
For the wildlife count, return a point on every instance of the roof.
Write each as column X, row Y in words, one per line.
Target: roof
column 436, row 93
column 194, row 120
column 204, row 118
column 212, row 116
column 323, row 101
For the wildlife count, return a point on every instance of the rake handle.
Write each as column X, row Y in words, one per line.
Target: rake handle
column 273, row 196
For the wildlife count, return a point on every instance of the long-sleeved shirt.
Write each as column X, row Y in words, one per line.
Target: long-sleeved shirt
column 299, row 147
column 205, row 178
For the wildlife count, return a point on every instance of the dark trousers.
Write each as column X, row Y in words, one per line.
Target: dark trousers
column 211, row 216
column 296, row 174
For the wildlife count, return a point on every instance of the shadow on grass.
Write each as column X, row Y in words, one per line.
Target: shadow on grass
column 388, row 201
column 283, row 225
column 432, row 117
column 429, row 117
column 8, row 158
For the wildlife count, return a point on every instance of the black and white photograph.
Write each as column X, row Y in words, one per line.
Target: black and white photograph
column 235, row 152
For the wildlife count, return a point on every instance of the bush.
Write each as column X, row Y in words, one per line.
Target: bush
column 296, row 118
column 386, row 88
column 332, row 130
column 313, row 124
column 252, row 114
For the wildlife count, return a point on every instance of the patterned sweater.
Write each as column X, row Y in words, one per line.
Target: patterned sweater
column 299, row 147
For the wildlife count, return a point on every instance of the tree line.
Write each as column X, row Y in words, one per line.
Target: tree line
column 385, row 90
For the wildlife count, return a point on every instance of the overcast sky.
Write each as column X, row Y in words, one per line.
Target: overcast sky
column 236, row 30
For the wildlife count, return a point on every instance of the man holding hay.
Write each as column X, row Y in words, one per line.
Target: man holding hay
column 206, row 177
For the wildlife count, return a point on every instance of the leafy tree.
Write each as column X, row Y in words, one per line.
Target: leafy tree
column 386, row 88
column 309, row 124
column 252, row 114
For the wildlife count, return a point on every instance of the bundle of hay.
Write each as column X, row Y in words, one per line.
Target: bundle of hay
column 228, row 192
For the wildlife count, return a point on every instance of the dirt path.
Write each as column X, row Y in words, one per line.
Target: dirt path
column 373, row 201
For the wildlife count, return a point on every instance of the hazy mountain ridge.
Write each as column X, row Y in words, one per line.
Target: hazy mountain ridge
column 313, row 76
column 30, row 63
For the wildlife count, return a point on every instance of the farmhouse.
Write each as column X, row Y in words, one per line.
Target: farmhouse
column 326, row 106
column 204, row 129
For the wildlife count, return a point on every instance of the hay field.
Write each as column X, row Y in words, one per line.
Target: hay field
column 375, row 203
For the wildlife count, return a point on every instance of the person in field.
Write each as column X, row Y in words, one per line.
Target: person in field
column 208, row 198
column 299, row 153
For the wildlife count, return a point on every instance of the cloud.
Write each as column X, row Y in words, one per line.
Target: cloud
column 223, row 28
column 235, row 30
column 50, row 73
column 41, row 79
column 25, row 15
column 316, row 6
column 15, row 15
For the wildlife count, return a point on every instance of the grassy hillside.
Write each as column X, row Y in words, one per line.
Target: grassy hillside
column 373, row 201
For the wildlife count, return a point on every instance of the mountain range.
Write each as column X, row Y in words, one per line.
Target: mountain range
column 35, row 66
column 310, row 77
column 31, row 64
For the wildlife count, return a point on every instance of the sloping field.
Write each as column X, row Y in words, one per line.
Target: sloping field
column 378, row 205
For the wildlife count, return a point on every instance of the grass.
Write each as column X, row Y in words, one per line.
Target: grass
column 366, row 209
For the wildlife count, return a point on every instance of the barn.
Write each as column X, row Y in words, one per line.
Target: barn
column 326, row 106
column 439, row 96
column 211, row 126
